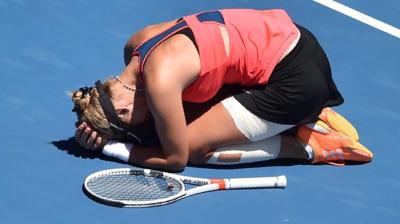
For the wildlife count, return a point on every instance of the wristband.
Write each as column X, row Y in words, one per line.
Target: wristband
column 118, row 150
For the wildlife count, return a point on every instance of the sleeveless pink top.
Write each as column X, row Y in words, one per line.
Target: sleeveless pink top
column 257, row 41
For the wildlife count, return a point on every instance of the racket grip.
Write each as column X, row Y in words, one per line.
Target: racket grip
column 256, row 182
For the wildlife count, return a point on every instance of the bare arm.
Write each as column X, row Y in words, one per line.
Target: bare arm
column 169, row 69
column 164, row 101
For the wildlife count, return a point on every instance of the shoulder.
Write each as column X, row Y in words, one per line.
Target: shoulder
column 143, row 35
column 147, row 33
column 176, row 60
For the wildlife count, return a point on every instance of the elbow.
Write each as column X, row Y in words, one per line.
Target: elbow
column 176, row 165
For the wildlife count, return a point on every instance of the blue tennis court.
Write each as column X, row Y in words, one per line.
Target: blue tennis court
column 48, row 48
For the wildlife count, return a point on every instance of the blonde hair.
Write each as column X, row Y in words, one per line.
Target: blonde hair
column 88, row 109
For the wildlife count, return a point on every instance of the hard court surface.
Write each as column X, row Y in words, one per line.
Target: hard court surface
column 50, row 47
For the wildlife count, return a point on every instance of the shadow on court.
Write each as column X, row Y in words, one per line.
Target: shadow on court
column 71, row 147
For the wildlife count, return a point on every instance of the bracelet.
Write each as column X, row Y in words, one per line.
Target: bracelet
column 118, row 150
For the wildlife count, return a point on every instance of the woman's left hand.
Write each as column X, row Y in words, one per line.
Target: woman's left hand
column 88, row 138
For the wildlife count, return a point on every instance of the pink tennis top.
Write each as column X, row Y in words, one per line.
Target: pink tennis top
column 257, row 41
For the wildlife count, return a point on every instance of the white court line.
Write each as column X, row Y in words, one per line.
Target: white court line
column 360, row 17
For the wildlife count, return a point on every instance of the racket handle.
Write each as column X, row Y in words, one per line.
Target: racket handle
column 256, row 182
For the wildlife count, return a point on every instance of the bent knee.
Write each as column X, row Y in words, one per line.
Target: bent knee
column 199, row 155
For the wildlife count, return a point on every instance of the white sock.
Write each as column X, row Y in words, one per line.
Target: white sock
column 310, row 152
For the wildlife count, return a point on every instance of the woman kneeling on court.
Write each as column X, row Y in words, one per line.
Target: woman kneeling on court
column 284, row 77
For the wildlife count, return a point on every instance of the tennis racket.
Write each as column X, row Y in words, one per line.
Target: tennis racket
column 125, row 187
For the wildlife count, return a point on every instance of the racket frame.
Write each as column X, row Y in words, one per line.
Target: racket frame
column 203, row 185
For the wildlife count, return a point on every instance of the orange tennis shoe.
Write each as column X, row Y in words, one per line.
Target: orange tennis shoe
column 337, row 122
column 332, row 147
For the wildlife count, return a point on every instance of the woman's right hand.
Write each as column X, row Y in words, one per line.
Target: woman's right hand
column 88, row 138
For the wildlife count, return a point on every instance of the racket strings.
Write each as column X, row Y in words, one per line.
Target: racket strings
column 131, row 187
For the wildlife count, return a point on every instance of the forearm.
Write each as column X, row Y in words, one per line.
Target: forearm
column 150, row 157
column 153, row 157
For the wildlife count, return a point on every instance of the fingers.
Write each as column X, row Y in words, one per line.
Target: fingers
column 97, row 143
column 86, row 137
column 91, row 139
column 79, row 131
column 83, row 136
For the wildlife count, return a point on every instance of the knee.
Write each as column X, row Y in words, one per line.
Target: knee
column 199, row 155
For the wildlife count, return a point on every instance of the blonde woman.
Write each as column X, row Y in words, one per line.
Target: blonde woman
column 286, row 82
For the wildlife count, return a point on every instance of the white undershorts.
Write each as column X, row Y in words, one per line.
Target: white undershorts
column 250, row 125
